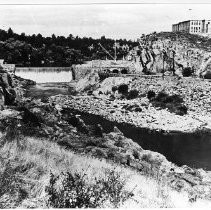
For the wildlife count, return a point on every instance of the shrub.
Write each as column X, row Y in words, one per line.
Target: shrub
column 103, row 75
column 11, row 185
column 182, row 110
column 73, row 191
column 44, row 99
column 124, row 71
column 132, row 94
column 187, row 72
column 174, row 103
column 150, row 94
column 165, row 98
column 123, row 89
column 114, row 88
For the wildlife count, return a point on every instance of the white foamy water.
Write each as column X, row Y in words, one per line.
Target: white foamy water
column 45, row 76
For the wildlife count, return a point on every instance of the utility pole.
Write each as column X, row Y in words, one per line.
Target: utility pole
column 115, row 51
column 173, row 54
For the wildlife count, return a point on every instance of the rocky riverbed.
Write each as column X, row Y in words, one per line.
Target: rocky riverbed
column 141, row 113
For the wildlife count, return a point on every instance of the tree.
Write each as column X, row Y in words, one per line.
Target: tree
column 10, row 32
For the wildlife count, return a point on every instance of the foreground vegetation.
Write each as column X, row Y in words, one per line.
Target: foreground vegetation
column 38, row 173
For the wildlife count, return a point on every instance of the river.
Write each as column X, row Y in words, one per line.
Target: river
column 183, row 149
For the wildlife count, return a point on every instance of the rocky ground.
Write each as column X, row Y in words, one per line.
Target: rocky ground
column 140, row 111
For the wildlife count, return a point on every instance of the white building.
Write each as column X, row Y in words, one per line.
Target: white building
column 193, row 27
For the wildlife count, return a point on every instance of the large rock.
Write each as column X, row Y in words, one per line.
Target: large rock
column 88, row 82
column 7, row 92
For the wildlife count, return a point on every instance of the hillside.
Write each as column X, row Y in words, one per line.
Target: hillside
column 191, row 51
column 28, row 166
column 193, row 40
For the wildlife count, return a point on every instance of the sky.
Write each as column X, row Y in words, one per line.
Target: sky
column 91, row 18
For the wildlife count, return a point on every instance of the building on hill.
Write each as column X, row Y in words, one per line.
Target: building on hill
column 193, row 27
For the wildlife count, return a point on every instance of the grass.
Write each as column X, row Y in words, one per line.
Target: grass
column 30, row 163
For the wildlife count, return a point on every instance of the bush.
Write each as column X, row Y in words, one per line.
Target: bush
column 174, row 103
column 165, row 98
column 10, row 185
column 103, row 75
column 150, row 94
column 73, row 191
column 114, row 88
column 187, row 72
column 123, row 89
column 182, row 110
column 132, row 94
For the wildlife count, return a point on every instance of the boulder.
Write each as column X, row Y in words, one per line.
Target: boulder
column 88, row 82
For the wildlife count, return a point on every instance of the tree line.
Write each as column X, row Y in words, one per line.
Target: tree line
column 36, row 50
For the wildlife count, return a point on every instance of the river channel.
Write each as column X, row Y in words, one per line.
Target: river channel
column 193, row 150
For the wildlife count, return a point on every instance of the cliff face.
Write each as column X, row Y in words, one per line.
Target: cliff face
column 190, row 51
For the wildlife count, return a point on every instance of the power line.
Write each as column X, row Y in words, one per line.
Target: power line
column 106, row 51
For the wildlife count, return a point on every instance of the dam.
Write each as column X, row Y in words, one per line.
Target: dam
column 45, row 74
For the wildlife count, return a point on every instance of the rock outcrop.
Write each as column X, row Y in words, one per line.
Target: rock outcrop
column 11, row 87
column 88, row 82
column 190, row 51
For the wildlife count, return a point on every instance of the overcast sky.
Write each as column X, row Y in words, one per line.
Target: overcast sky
column 112, row 20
